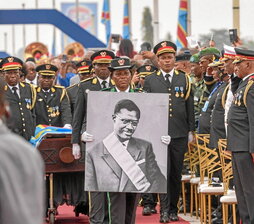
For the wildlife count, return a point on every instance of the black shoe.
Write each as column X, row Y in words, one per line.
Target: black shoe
column 153, row 211
column 173, row 217
column 164, row 218
column 146, row 211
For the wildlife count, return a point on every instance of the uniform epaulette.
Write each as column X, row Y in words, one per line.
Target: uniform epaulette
column 250, row 83
column 210, row 82
column 180, row 71
column 23, row 84
column 85, row 80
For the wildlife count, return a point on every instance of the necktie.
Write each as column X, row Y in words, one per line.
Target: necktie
column 14, row 90
column 167, row 79
column 104, row 84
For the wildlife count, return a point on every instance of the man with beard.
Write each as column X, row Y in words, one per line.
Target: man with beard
column 101, row 60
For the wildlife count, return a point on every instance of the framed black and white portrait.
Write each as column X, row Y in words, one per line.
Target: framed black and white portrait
column 126, row 154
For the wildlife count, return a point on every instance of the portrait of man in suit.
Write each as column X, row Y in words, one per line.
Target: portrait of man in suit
column 121, row 162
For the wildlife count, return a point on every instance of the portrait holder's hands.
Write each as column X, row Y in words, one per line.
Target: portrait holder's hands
column 68, row 126
column 76, row 151
column 85, row 137
column 166, row 139
column 190, row 137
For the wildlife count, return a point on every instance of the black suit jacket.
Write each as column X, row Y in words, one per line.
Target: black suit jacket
column 54, row 109
column 181, row 106
column 241, row 120
column 79, row 117
column 22, row 120
column 104, row 174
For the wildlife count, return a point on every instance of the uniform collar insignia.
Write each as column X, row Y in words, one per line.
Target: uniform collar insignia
column 53, row 89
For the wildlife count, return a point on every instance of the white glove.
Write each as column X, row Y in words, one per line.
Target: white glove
column 68, row 126
column 85, row 137
column 190, row 137
column 76, row 151
column 166, row 139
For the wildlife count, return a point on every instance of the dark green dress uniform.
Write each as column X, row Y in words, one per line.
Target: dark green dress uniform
column 97, row 204
column 52, row 107
column 241, row 140
column 79, row 117
column 22, row 119
column 72, row 92
column 205, row 116
column 217, row 129
column 181, row 121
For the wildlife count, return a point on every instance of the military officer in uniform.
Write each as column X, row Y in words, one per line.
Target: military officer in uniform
column 217, row 127
column 240, row 134
column 183, row 63
column 143, row 71
column 122, row 206
column 21, row 98
column 52, row 105
column 101, row 60
column 181, row 121
column 198, row 87
column 84, row 72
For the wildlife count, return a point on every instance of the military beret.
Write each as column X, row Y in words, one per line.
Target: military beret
column 164, row 47
column 46, row 69
column 11, row 63
column 194, row 58
column 120, row 63
column 183, row 57
column 146, row 70
column 84, row 66
column 102, row 56
column 209, row 51
column 243, row 55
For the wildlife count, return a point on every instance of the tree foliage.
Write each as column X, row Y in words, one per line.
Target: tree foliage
column 147, row 26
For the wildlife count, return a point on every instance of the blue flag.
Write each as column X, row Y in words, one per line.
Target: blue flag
column 126, row 25
column 105, row 19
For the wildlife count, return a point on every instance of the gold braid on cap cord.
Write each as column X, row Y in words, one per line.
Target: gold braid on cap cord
column 250, row 83
column 224, row 95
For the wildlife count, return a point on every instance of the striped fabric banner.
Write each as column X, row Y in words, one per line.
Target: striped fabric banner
column 182, row 25
column 105, row 18
column 126, row 25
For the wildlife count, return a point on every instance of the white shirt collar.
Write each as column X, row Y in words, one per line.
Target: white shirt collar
column 101, row 80
column 126, row 91
column 247, row 76
column 171, row 73
column 34, row 82
column 13, row 86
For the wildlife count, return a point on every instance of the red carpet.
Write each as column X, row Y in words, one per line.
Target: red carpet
column 67, row 216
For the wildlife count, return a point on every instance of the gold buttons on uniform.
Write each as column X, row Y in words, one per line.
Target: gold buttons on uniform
column 170, row 115
column 24, row 125
column 170, row 110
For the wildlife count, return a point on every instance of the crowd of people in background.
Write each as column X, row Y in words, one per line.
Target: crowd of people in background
column 210, row 92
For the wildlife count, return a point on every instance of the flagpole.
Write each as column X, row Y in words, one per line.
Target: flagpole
column 5, row 42
column 13, row 40
column 130, row 18
column 37, row 26
column 155, row 22
column 24, row 30
column 236, row 15
column 189, row 18
column 54, row 30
